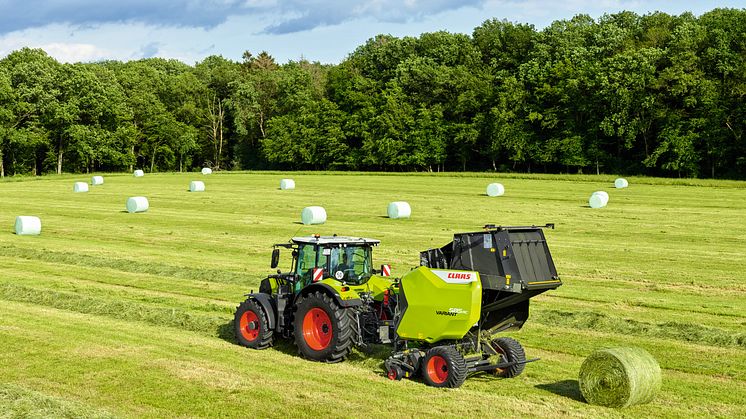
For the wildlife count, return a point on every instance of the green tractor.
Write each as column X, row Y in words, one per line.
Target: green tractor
column 443, row 319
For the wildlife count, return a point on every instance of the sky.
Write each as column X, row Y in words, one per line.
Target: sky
column 325, row 31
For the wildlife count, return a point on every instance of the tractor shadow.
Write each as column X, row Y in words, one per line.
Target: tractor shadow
column 226, row 333
column 566, row 388
column 372, row 355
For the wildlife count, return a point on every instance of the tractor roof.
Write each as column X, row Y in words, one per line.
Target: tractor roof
column 343, row 240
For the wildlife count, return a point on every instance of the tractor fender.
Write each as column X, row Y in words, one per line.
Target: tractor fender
column 266, row 302
column 326, row 289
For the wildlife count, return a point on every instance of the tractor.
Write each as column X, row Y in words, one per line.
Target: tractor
column 443, row 320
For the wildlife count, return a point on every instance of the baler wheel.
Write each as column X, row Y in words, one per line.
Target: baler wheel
column 251, row 325
column 512, row 351
column 395, row 373
column 444, row 366
column 324, row 331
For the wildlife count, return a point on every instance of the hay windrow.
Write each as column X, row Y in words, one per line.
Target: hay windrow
column 210, row 325
column 20, row 402
column 620, row 377
column 681, row 331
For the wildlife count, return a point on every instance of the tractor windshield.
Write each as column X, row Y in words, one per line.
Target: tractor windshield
column 351, row 264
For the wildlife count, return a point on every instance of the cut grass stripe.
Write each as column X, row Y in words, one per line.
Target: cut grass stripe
column 125, row 265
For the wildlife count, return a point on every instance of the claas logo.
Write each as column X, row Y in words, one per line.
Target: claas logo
column 455, row 275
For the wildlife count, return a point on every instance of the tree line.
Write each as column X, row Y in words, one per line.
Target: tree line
column 655, row 94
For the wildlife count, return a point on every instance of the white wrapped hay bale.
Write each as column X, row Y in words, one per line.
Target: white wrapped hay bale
column 80, row 187
column 598, row 199
column 495, row 189
column 137, row 204
column 97, row 180
column 138, row 173
column 196, row 186
column 399, row 209
column 27, row 225
column 621, row 183
column 287, row 184
column 206, row 171
column 313, row 215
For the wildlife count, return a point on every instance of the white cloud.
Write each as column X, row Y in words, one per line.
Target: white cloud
column 72, row 53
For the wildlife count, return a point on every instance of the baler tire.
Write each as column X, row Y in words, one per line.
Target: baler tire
column 512, row 351
column 444, row 366
column 250, row 311
column 323, row 330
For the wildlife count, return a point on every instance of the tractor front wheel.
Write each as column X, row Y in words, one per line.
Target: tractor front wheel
column 444, row 366
column 251, row 325
column 323, row 330
column 511, row 351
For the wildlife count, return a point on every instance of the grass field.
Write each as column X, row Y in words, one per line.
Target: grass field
column 110, row 314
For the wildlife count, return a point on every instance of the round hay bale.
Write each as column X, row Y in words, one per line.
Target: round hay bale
column 598, row 199
column 27, row 225
column 80, row 187
column 137, row 204
column 399, row 209
column 138, row 173
column 97, row 180
column 619, row 377
column 206, row 171
column 621, row 183
column 313, row 215
column 287, row 184
column 495, row 189
column 196, row 186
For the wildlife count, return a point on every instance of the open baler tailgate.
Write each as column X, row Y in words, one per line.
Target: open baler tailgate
column 514, row 265
column 510, row 259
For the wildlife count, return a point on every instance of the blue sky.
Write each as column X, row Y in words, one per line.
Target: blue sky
column 326, row 31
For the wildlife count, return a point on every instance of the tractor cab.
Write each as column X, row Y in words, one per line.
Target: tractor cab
column 347, row 259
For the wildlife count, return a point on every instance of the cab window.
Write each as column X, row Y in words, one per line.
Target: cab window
column 306, row 261
column 354, row 263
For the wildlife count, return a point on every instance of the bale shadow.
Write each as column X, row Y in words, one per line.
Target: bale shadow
column 566, row 388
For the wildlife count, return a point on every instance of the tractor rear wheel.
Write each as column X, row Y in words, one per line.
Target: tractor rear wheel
column 444, row 366
column 512, row 351
column 251, row 325
column 323, row 330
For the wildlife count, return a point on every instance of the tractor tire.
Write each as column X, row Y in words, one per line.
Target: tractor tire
column 251, row 325
column 444, row 366
column 512, row 351
column 323, row 330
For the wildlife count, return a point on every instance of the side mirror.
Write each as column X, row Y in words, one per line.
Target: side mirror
column 275, row 258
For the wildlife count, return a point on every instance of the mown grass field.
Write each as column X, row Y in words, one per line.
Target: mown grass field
column 128, row 315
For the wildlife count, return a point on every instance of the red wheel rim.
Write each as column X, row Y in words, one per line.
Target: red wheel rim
column 249, row 325
column 317, row 329
column 437, row 369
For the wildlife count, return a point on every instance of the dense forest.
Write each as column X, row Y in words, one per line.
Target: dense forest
column 654, row 94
